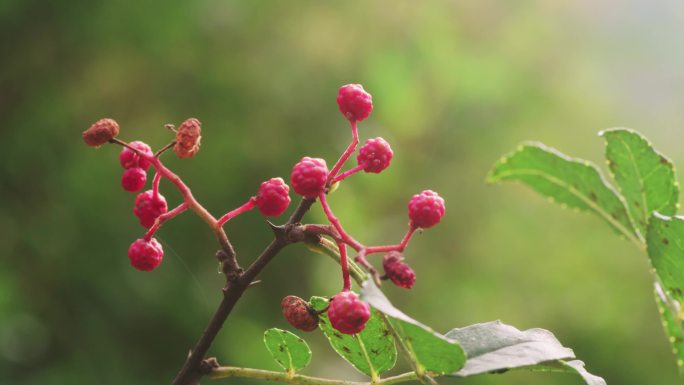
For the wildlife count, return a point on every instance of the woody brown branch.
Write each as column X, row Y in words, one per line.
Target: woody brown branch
column 191, row 371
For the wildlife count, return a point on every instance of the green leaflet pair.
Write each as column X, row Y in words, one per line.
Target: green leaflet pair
column 641, row 208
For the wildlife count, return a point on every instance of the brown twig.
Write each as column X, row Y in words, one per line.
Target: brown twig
column 190, row 372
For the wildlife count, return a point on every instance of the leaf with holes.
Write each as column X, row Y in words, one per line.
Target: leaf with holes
column 287, row 349
column 645, row 177
column 372, row 351
column 575, row 183
column 429, row 350
column 665, row 242
column 493, row 347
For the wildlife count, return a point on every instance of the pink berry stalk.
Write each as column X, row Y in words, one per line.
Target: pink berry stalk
column 251, row 203
column 346, row 154
column 343, row 236
column 155, row 184
column 398, row 247
column 185, row 191
column 346, row 174
column 340, row 235
column 163, row 218
column 361, row 260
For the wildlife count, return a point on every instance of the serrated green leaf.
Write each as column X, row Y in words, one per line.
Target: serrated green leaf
column 575, row 183
column 372, row 352
column 665, row 246
column 645, row 177
column 287, row 349
column 674, row 327
column 430, row 350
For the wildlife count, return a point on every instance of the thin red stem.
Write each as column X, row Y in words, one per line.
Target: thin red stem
column 344, row 237
column 155, row 184
column 251, row 203
column 193, row 204
column 163, row 218
column 346, row 280
column 346, row 154
column 361, row 259
column 398, row 247
column 183, row 189
column 347, row 173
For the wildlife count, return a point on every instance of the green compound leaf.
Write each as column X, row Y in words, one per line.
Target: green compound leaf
column 665, row 242
column 493, row 347
column 645, row 177
column 372, row 352
column 571, row 182
column 431, row 351
column 287, row 349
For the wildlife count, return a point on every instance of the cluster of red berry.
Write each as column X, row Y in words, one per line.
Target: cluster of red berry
column 150, row 206
column 310, row 178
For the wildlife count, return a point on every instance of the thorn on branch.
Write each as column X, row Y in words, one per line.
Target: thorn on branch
column 280, row 232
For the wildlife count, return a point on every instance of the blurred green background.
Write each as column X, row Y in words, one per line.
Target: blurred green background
column 455, row 84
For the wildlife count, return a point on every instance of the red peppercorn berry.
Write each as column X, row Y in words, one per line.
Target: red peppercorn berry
column 426, row 209
column 129, row 158
column 134, row 179
column 375, row 155
column 347, row 313
column 309, row 176
column 273, row 197
column 148, row 207
column 145, row 255
column 354, row 102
